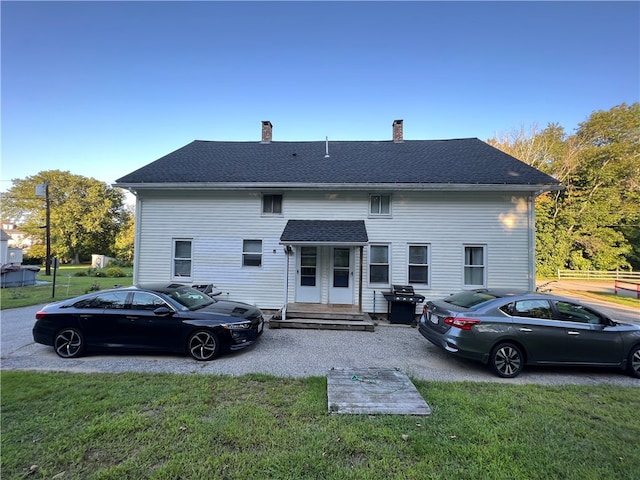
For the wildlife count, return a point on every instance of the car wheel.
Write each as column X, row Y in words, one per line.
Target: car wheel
column 633, row 362
column 69, row 343
column 506, row 360
column 203, row 345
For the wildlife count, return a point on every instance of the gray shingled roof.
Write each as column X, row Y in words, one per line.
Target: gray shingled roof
column 462, row 161
column 352, row 232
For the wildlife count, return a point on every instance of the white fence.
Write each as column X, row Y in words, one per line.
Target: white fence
column 598, row 275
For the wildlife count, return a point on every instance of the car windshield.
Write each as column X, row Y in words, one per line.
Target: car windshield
column 190, row 298
column 469, row 299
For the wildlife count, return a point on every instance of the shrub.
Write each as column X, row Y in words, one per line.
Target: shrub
column 119, row 263
column 29, row 260
column 115, row 272
column 80, row 274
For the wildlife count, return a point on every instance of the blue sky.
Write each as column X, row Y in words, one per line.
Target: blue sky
column 101, row 89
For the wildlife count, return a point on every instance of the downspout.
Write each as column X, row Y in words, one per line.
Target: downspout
column 136, row 240
column 286, row 283
column 360, row 281
column 532, row 240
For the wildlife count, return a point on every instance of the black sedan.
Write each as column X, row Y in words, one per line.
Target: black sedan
column 161, row 317
column 508, row 330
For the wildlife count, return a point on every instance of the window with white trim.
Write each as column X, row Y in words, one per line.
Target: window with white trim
column 271, row 204
column 252, row 253
column 380, row 205
column 418, row 268
column 379, row 264
column 182, row 257
column 475, row 271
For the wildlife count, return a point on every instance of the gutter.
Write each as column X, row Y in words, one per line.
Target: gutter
column 392, row 187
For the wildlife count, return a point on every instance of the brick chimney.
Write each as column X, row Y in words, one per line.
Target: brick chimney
column 397, row 131
column 267, row 131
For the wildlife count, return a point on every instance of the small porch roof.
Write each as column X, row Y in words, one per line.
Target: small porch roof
column 324, row 232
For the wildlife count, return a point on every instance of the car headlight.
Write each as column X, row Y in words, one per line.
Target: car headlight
column 237, row 326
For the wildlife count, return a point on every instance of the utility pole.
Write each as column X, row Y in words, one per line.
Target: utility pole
column 43, row 189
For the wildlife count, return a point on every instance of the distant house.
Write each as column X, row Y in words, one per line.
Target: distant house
column 17, row 237
column 4, row 247
column 336, row 222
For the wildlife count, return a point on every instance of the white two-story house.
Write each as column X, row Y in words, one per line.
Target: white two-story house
column 273, row 223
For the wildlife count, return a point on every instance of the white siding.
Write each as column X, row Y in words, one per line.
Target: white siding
column 217, row 222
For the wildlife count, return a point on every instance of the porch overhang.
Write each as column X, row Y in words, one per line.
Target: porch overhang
column 325, row 232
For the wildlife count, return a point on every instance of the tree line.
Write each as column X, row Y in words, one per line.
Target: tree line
column 593, row 223
column 86, row 217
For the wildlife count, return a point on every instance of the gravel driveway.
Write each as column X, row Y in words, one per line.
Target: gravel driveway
column 294, row 353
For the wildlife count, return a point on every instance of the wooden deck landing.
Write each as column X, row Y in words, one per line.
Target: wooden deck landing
column 323, row 316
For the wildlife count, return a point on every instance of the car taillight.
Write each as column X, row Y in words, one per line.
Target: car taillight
column 40, row 315
column 462, row 323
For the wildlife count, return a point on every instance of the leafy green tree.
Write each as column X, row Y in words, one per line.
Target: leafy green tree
column 85, row 214
column 124, row 241
column 593, row 222
column 607, row 186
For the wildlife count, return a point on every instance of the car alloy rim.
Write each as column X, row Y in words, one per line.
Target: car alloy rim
column 202, row 346
column 68, row 343
column 635, row 361
column 508, row 360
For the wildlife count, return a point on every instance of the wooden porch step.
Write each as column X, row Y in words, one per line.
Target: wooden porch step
column 323, row 324
column 328, row 315
column 323, row 316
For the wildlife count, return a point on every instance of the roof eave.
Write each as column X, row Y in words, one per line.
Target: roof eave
column 436, row 187
column 299, row 243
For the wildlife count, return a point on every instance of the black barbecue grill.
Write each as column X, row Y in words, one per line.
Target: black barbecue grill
column 401, row 307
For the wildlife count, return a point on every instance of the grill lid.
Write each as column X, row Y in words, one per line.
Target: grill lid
column 403, row 293
column 403, row 290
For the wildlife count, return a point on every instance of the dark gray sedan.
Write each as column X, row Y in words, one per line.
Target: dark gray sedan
column 160, row 317
column 508, row 330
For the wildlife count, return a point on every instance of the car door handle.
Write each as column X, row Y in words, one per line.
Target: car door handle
column 572, row 332
column 526, row 330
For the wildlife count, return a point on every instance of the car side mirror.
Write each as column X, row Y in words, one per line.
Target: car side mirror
column 163, row 311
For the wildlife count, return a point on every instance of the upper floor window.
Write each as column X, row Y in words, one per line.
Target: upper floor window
column 271, row 204
column 474, row 266
column 182, row 258
column 419, row 264
column 380, row 205
column 379, row 264
column 252, row 253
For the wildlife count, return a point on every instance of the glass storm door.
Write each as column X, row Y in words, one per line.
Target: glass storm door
column 341, row 287
column 307, row 284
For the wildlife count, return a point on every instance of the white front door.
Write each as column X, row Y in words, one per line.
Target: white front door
column 308, row 275
column 341, row 286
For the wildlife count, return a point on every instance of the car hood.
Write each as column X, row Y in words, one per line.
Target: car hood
column 233, row 309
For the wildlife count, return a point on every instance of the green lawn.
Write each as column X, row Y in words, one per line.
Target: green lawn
column 68, row 285
column 162, row 426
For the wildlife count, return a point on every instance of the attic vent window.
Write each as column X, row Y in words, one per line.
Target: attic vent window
column 380, row 205
column 271, row 204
